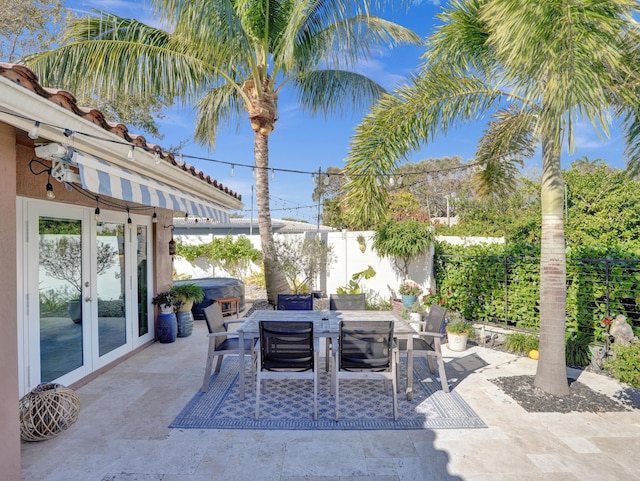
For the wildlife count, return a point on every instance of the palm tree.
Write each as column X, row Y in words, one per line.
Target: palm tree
column 535, row 68
column 230, row 57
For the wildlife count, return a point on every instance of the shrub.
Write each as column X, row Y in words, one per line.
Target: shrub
column 521, row 343
column 577, row 348
column 625, row 365
column 377, row 303
column 255, row 278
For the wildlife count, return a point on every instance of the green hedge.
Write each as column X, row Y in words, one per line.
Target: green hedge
column 498, row 283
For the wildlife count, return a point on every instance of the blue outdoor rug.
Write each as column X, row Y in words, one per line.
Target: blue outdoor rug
column 364, row 405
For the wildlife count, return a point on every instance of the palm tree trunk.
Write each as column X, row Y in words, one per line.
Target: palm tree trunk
column 551, row 375
column 275, row 280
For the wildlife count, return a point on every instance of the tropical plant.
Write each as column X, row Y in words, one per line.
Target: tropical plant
column 533, row 69
column 232, row 58
column 353, row 286
column 188, row 292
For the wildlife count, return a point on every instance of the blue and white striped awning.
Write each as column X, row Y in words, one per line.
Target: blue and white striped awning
column 104, row 178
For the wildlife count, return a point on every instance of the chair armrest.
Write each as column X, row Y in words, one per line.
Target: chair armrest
column 223, row 333
column 439, row 335
column 235, row 321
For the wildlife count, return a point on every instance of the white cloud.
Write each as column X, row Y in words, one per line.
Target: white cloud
column 587, row 137
column 427, row 2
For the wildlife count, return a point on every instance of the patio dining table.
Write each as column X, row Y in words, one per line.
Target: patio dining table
column 326, row 324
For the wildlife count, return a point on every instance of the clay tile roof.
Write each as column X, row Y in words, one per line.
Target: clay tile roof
column 26, row 78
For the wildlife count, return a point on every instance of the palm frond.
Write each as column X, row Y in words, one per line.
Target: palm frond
column 461, row 41
column 219, row 103
column 562, row 53
column 506, row 141
column 401, row 122
column 116, row 55
column 336, row 91
column 345, row 42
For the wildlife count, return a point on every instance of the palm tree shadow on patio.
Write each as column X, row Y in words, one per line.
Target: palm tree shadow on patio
column 434, row 462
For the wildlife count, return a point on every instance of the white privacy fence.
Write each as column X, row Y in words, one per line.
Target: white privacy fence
column 350, row 259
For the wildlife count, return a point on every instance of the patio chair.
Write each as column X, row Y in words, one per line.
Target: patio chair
column 295, row 302
column 428, row 342
column 287, row 350
column 367, row 350
column 223, row 343
column 344, row 302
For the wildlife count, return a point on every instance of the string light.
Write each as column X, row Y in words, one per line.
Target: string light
column 154, row 217
column 96, row 213
column 129, row 223
column 33, row 133
column 50, row 194
column 132, row 154
column 180, row 161
column 273, row 176
column 327, row 179
column 156, row 156
column 233, row 170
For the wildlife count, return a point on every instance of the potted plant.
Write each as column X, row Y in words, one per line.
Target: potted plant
column 458, row 330
column 415, row 316
column 409, row 290
column 167, row 322
column 189, row 293
column 167, row 301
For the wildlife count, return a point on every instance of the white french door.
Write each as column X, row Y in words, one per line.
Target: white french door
column 87, row 293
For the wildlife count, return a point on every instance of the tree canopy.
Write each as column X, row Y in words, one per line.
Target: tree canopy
column 533, row 69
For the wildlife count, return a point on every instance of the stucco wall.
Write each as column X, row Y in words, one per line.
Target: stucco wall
column 349, row 260
column 9, row 422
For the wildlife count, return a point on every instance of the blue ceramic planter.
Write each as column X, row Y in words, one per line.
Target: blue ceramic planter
column 408, row 301
column 167, row 327
column 185, row 323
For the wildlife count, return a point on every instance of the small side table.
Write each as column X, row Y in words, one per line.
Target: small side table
column 229, row 305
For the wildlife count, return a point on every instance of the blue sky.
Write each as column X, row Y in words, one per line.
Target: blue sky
column 305, row 143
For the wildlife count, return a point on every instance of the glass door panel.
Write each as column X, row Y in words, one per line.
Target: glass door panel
column 110, row 286
column 142, row 272
column 60, row 302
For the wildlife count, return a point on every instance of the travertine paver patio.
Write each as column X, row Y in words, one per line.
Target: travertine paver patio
column 122, row 434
